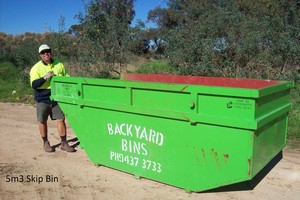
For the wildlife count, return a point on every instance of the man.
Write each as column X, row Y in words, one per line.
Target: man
column 40, row 76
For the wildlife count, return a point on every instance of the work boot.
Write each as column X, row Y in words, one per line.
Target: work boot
column 47, row 147
column 65, row 147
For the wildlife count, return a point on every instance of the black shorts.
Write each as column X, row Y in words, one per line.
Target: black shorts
column 44, row 110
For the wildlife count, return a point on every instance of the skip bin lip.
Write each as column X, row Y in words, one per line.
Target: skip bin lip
column 201, row 80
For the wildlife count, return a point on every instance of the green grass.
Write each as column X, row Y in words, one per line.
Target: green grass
column 155, row 67
column 13, row 88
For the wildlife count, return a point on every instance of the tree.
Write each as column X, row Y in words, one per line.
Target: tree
column 235, row 38
column 105, row 33
column 75, row 30
column 59, row 39
column 139, row 40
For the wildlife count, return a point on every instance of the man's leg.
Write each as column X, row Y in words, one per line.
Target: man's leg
column 43, row 111
column 61, row 127
column 62, row 130
column 44, row 134
column 43, row 130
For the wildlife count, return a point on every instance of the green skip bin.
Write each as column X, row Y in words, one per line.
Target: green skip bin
column 195, row 133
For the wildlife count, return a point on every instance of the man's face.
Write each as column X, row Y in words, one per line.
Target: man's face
column 46, row 55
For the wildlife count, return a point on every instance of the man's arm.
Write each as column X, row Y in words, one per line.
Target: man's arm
column 38, row 83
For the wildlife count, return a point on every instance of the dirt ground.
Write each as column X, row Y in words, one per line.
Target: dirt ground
column 27, row 172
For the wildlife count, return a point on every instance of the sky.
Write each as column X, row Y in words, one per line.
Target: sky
column 38, row 16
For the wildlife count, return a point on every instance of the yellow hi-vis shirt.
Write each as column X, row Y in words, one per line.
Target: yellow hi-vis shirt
column 40, row 69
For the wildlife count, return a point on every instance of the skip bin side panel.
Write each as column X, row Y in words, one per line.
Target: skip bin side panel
column 163, row 100
column 105, row 94
column 195, row 158
column 232, row 108
column 271, row 114
column 269, row 140
column 269, row 104
column 65, row 91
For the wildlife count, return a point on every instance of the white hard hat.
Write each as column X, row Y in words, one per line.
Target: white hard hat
column 43, row 47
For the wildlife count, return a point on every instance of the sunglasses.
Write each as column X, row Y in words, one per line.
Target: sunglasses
column 45, row 51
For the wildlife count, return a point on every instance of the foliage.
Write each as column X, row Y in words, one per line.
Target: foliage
column 5, row 47
column 25, row 54
column 294, row 117
column 233, row 38
column 105, row 30
column 138, row 39
column 60, row 39
column 14, row 89
column 18, row 49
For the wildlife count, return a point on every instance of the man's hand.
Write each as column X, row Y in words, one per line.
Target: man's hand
column 49, row 75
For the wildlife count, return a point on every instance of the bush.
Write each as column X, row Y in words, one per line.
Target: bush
column 294, row 117
column 14, row 89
